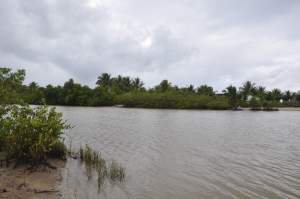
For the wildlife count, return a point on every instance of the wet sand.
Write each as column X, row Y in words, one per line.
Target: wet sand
column 289, row 109
column 25, row 183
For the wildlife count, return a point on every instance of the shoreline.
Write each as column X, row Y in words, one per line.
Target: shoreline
column 289, row 108
column 25, row 183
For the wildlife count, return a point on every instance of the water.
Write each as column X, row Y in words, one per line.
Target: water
column 176, row 154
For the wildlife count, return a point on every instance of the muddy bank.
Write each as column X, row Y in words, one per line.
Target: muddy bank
column 27, row 183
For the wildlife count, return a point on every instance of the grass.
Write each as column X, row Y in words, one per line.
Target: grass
column 94, row 162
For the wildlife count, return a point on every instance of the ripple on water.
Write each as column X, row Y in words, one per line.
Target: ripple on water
column 175, row 154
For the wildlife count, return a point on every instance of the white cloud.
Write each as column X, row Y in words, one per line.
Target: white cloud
column 185, row 41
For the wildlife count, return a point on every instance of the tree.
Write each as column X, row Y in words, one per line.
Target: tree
column 232, row 94
column 33, row 94
column 137, row 84
column 287, row 96
column 247, row 89
column 261, row 93
column 104, row 80
column 164, row 86
column 276, row 95
column 205, row 90
column 10, row 84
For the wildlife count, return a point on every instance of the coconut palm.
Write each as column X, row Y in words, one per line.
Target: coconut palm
column 247, row 89
column 104, row 80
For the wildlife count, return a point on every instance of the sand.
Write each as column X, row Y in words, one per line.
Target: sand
column 27, row 183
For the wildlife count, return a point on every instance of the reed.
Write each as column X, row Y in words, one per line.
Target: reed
column 94, row 162
column 116, row 172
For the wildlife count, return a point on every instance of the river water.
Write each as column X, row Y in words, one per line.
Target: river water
column 187, row 154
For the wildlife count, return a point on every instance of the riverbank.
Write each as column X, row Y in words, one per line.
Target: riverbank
column 289, row 109
column 24, row 182
column 279, row 108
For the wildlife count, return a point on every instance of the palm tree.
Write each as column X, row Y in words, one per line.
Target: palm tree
column 247, row 89
column 137, row 84
column 287, row 96
column 261, row 93
column 276, row 94
column 104, row 80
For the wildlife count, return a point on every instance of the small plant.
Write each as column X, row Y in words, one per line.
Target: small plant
column 93, row 160
column 116, row 171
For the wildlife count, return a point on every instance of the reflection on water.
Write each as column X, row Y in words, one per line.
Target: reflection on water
column 176, row 154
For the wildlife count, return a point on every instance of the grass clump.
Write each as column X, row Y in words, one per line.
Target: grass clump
column 116, row 171
column 32, row 135
column 94, row 161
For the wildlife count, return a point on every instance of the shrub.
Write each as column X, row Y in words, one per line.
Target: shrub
column 172, row 100
column 269, row 106
column 32, row 134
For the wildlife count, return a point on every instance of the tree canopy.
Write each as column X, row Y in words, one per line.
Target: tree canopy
column 111, row 90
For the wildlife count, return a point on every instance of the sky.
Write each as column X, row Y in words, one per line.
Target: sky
column 214, row 42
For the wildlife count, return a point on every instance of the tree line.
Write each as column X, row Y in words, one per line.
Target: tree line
column 132, row 93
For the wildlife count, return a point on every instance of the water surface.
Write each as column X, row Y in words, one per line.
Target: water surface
column 176, row 154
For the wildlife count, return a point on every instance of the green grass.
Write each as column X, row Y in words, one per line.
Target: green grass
column 94, row 162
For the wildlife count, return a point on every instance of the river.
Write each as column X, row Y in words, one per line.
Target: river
column 187, row 154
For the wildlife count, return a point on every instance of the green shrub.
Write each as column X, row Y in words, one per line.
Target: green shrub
column 255, row 104
column 172, row 100
column 269, row 106
column 32, row 134
column 58, row 150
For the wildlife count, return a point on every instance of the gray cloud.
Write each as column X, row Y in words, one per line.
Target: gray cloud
column 185, row 41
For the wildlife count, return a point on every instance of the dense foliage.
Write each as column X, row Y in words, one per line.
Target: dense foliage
column 30, row 134
column 172, row 100
column 132, row 93
column 10, row 85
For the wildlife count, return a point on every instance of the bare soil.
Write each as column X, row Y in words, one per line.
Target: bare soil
column 24, row 182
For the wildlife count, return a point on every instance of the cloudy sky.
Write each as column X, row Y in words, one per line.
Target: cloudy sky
column 213, row 42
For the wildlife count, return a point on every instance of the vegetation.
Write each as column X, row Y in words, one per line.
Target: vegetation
column 131, row 92
column 26, row 133
column 172, row 100
column 32, row 134
column 233, row 96
column 94, row 161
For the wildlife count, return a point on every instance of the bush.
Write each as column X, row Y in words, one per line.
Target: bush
column 172, row 100
column 255, row 104
column 269, row 106
column 32, row 134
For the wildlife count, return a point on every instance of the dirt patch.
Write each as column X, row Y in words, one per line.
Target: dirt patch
column 28, row 183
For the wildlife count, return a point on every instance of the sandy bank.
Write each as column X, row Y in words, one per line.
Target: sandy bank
column 289, row 109
column 25, row 183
